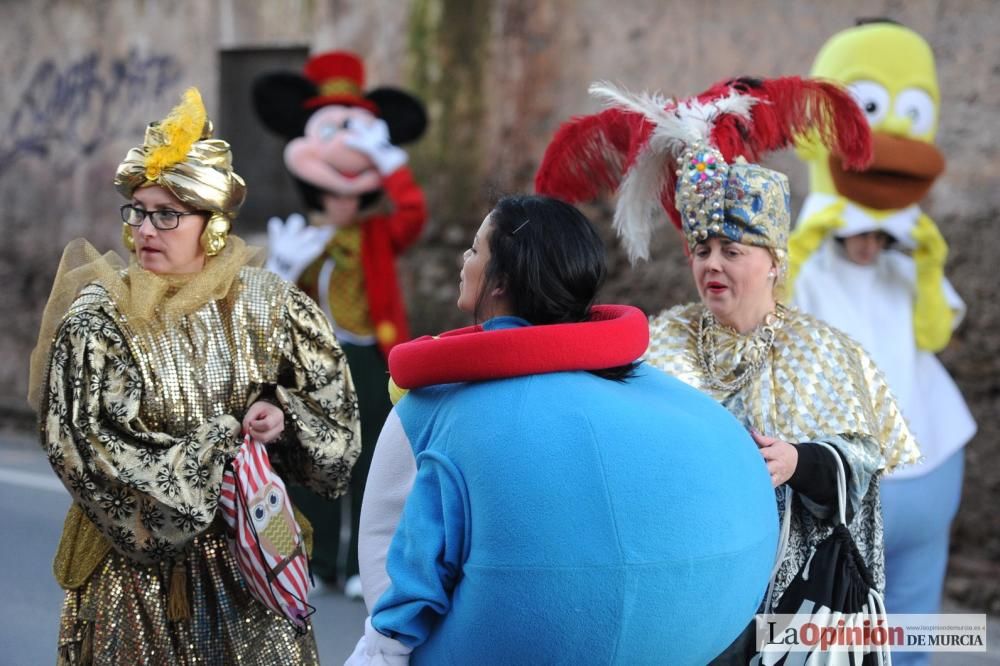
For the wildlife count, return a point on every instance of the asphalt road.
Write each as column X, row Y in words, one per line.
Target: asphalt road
column 33, row 504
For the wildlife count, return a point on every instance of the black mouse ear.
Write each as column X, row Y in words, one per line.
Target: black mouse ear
column 402, row 112
column 279, row 100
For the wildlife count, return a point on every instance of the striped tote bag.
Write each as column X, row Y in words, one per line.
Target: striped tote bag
column 264, row 536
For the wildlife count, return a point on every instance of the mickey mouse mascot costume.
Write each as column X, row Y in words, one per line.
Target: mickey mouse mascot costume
column 364, row 210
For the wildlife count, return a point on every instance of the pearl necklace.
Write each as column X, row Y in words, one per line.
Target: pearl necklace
column 763, row 341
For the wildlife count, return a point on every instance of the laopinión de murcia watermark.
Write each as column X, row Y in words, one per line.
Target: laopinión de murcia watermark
column 862, row 633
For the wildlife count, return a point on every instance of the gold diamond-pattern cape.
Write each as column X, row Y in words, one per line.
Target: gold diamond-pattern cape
column 816, row 384
column 138, row 418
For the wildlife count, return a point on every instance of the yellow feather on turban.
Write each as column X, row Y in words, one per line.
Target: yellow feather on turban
column 179, row 154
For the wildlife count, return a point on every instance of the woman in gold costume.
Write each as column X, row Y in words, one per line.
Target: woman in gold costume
column 144, row 377
column 792, row 380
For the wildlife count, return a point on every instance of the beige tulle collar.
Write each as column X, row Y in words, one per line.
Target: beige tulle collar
column 140, row 296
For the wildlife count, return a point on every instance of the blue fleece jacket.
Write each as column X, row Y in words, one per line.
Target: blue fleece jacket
column 569, row 519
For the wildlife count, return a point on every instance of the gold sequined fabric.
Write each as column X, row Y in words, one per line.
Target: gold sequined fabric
column 119, row 617
column 816, row 384
column 138, row 423
column 81, row 550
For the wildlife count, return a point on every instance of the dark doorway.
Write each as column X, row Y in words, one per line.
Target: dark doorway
column 257, row 153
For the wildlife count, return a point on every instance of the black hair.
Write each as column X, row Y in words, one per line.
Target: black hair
column 549, row 261
column 890, row 240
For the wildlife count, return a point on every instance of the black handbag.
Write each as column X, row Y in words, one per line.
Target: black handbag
column 833, row 593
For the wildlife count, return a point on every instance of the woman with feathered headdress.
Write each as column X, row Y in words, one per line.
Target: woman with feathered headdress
column 802, row 388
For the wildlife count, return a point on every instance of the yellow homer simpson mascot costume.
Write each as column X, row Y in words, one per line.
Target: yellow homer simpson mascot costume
column 865, row 258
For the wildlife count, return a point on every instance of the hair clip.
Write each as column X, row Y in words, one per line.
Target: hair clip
column 526, row 220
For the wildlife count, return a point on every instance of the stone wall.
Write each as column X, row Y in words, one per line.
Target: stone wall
column 80, row 79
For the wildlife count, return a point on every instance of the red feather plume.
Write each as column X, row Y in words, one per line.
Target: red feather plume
column 789, row 108
column 589, row 154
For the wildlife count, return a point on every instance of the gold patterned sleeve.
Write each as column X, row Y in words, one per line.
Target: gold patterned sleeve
column 149, row 492
column 322, row 439
column 898, row 445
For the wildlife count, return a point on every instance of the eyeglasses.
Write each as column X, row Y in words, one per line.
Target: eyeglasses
column 163, row 220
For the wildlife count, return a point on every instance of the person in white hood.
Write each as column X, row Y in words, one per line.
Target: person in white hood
column 864, row 258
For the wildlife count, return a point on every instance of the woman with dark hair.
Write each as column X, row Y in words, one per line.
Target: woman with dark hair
column 534, row 483
column 518, row 248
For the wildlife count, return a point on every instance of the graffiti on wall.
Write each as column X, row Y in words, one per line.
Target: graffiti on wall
column 67, row 111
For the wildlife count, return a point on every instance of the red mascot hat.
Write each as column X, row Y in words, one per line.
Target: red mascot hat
column 339, row 76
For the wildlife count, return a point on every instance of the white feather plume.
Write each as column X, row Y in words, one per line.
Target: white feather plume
column 675, row 128
column 699, row 117
column 639, row 209
column 652, row 105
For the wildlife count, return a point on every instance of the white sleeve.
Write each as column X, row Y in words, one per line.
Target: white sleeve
column 374, row 649
column 390, row 479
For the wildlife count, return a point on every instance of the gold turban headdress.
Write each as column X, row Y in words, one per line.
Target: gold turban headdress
column 179, row 154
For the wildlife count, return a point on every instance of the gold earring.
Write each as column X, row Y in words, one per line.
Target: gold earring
column 213, row 238
column 127, row 239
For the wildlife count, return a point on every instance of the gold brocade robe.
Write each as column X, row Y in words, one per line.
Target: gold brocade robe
column 816, row 384
column 138, row 421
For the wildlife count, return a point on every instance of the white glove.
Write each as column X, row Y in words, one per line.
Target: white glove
column 293, row 245
column 374, row 649
column 372, row 139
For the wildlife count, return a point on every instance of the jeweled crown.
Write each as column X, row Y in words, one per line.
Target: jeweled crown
column 744, row 202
